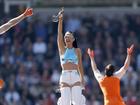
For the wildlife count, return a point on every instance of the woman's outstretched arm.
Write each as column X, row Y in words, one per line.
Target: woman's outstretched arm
column 5, row 27
column 125, row 67
column 91, row 55
column 95, row 70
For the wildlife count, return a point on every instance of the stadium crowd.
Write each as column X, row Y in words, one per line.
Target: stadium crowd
column 30, row 65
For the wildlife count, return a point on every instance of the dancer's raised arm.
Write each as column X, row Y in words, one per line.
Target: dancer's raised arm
column 125, row 67
column 5, row 27
column 95, row 70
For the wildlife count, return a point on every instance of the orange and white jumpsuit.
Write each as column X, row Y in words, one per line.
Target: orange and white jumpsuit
column 110, row 87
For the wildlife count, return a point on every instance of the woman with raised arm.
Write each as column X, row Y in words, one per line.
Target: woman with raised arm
column 5, row 27
column 71, row 80
column 110, row 83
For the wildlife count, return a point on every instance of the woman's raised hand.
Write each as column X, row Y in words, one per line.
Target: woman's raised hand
column 90, row 53
column 130, row 50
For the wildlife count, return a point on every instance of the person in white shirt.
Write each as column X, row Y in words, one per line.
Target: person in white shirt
column 39, row 47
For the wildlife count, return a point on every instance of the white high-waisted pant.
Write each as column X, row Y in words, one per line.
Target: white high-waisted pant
column 71, row 95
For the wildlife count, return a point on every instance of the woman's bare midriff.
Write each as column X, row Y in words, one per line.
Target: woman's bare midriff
column 69, row 66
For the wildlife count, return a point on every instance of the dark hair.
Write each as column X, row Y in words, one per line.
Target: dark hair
column 109, row 70
column 75, row 43
column 75, row 40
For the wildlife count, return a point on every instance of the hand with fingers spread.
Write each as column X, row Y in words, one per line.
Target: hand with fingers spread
column 90, row 53
column 130, row 50
column 28, row 12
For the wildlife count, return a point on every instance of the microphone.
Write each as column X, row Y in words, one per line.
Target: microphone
column 56, row 17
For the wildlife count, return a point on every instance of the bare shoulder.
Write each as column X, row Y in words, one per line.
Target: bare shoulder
column 78, row 51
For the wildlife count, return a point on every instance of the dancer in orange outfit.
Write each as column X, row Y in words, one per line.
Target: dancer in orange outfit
column 110, row 83
column 5, row 27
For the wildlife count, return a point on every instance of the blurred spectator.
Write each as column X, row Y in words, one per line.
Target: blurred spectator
column 72, row 23
column 39, row 47
column 12, row 96
column 131, row 99
column 40, row 29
